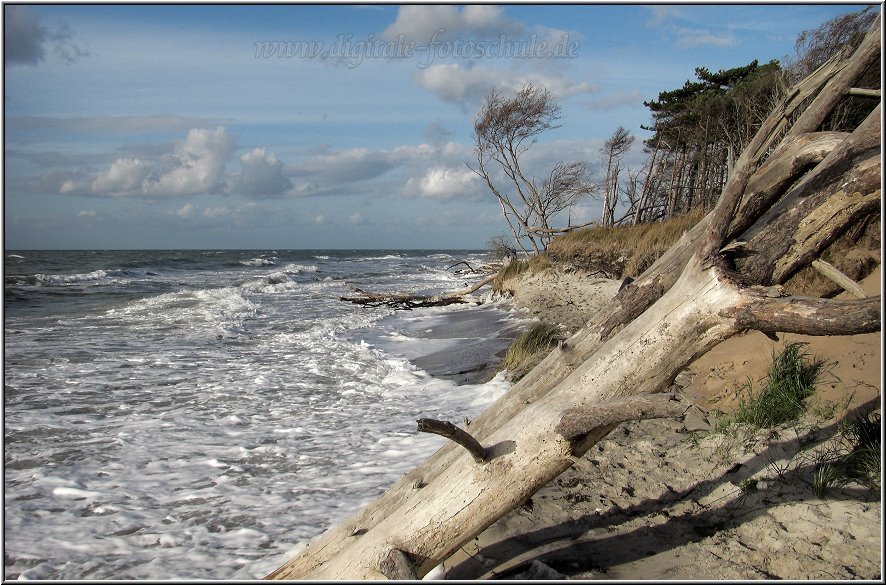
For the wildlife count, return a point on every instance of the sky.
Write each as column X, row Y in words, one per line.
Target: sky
column 325, row 126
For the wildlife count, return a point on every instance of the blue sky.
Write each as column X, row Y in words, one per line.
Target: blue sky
column 167, row 126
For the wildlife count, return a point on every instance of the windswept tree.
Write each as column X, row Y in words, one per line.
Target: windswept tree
column 843, row 33
column 698, row 130
column 504, row 130
column 816, row 46
column 613, row 150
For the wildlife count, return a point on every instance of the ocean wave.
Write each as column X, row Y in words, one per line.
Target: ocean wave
column 299, row 268
column 96, row 276
column 225, row 308
column 385, row 257
column 279, row 280
column 259, row 262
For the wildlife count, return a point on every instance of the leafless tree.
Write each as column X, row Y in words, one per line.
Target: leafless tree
column 504, row 129
column 613, row 151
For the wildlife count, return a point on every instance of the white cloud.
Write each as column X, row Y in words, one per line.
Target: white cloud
column 660, row 13
column 356, row 171
column 421, row 23
column 86, row 213
column 320, row 219
column 261, row 173
column 456, row 83
column 356, row 218
column 216, row 212
column 444, row 183
column 662, row 17
column 197, row 164
column 126, row 176
column 687, row 38
column 186, row 211
column 342, row 167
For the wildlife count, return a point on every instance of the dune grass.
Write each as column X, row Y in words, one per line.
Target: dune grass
column 621, row 251
column 855, row 458
column 790, row 380
column 530, row 347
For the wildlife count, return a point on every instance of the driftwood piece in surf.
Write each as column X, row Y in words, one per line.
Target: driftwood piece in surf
column 412, row 301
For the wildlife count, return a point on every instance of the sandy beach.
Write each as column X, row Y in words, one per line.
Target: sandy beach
column 668, row 499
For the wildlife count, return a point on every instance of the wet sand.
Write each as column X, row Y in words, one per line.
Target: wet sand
column 484, row 336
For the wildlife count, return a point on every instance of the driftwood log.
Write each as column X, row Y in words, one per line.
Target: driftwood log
column 791, row 193
column 411, row 301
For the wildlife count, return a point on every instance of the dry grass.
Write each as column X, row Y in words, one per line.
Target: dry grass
column 621, row 251
column 529, row 348
column 533, row 264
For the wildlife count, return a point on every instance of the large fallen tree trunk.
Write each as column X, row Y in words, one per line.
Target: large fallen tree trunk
column 790, row 194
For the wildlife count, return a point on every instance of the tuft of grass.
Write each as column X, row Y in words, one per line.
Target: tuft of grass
column 527, row 346
column 621, row 251
column 856, row 457
column 749, row 485
column 862, row 463
column 790, row 380
column 826, row 475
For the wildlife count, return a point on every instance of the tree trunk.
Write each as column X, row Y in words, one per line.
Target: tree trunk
column 702, row 291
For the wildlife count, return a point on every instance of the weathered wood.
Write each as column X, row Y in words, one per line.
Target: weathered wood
column 839, row 84
column 409, row 301
column 396, row 566
column 830, row 272
column 452, row 432
column 783, row 248
column 864, row 92
column 791, row 160
column 808, row 316
column 471, row 268
column 580, row 420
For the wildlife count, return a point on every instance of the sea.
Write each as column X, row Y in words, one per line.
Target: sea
column 182, row 414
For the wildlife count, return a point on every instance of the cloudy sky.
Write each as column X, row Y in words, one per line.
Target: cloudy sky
column 287, row 126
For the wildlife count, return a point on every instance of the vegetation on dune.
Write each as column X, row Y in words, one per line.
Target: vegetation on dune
column 530, row 265
column 621, row 251
column 790, row 380
column 530, row 347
